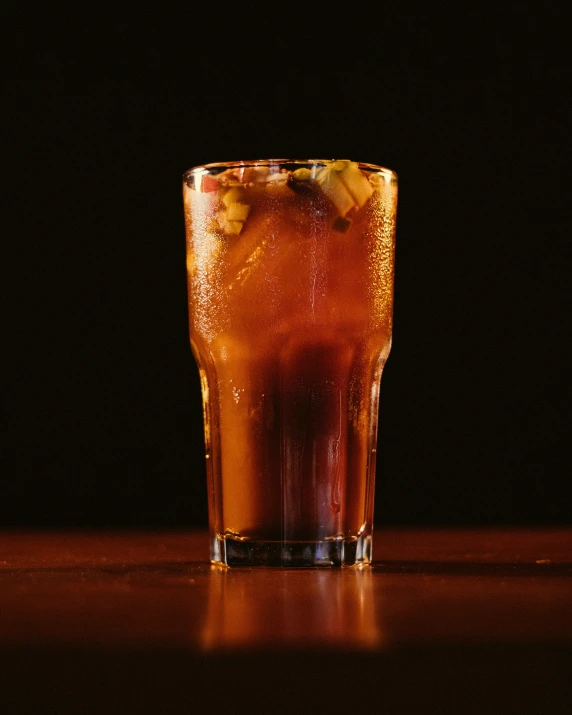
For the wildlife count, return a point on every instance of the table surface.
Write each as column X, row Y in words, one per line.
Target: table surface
column 457, row 616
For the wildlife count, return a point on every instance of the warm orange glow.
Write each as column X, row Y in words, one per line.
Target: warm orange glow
column 300, row 608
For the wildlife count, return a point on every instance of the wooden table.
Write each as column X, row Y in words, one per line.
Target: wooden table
column 446, row 620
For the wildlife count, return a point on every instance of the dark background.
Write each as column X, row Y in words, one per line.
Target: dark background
column 103, row 422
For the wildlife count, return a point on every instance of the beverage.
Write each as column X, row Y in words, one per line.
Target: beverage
column 290, row 281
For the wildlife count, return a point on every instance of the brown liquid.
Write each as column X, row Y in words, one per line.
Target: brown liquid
column 290, row 325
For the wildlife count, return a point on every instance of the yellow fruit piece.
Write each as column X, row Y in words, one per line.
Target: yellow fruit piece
column 302, row 174
column 232, row 195
column 234, row 227
column 335, row 189
column 376, row 180
column 340, row 165
column 237, row 211
column 276, row 178
column 356, row 183
column 228, row 226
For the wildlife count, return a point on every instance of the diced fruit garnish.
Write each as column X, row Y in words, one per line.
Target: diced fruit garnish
column 302, row 174
column 237, row 211
column 341, row 164
column 277, row 177
column 210, row 183
column 341, row 182
column 252, row 173
column 341, row 224
column 335, row 189
column 356, row 183
column 228, row 226
column 227, row 176
column 234, row 194
column 375, row 180
column 300, row 181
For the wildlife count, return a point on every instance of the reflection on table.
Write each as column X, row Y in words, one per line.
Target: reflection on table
column 294, row 608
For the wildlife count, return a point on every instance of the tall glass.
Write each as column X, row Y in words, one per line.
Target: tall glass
column 290, row 282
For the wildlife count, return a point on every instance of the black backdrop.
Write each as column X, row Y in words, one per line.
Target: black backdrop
column 103, row 423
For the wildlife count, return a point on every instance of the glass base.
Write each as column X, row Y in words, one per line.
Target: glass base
column 229, row 551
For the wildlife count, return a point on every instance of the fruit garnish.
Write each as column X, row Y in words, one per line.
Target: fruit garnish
column 335, row 189
column 300, row 181
column 209, row 184
column 277, row 177
column 356, row 183
column 302, row 174
column 341, row 224
column 249, row 174
column 233, row 194
column 346, row 186
column 228, row 225
column 340, row 165
column 341, row 181
column 237, row 211
column 376, row 180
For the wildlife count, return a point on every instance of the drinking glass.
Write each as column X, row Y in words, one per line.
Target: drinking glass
column 290, row 268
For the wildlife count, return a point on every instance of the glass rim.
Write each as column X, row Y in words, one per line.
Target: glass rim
column 219, row 166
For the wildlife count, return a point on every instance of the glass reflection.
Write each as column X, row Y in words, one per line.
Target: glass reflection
column 299, row 608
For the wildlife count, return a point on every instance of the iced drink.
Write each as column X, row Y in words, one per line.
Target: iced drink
column 290, row 282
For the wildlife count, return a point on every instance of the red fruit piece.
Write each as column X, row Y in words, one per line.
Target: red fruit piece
column 209, row 184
